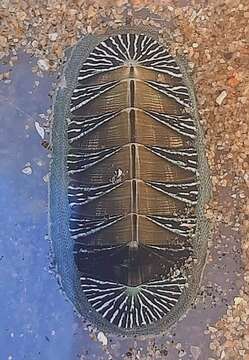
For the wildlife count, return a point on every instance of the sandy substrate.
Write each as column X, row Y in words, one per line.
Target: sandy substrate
column 213, row 37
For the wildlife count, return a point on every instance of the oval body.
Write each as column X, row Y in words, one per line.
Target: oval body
column 133, row 184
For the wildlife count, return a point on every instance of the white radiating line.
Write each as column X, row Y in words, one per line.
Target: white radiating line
column 179, row 163
column 175, row 196
column 100, row 71
column 170, row 93
column 149, row 302
column 87, row 166
column 163, row 71
column 91, row 98
column 124, row 46
column 112, row 306
column 161, row 296
column 93, row 231
column 184, row 233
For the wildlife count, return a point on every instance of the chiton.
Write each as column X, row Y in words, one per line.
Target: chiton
column 129, row 181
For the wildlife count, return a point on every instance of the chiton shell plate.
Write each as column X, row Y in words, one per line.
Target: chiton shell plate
column 129, row 181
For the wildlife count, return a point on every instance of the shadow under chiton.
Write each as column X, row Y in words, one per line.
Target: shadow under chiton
column 129, row 181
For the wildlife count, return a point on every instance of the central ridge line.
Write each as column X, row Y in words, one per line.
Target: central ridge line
column 133, row 157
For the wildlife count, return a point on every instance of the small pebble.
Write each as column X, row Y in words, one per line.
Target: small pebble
column 46, row 178
column 43, row 64
column 39, row 129
column 219, row 100
column 53, row 36
column 102, row 338
column 27, row 170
